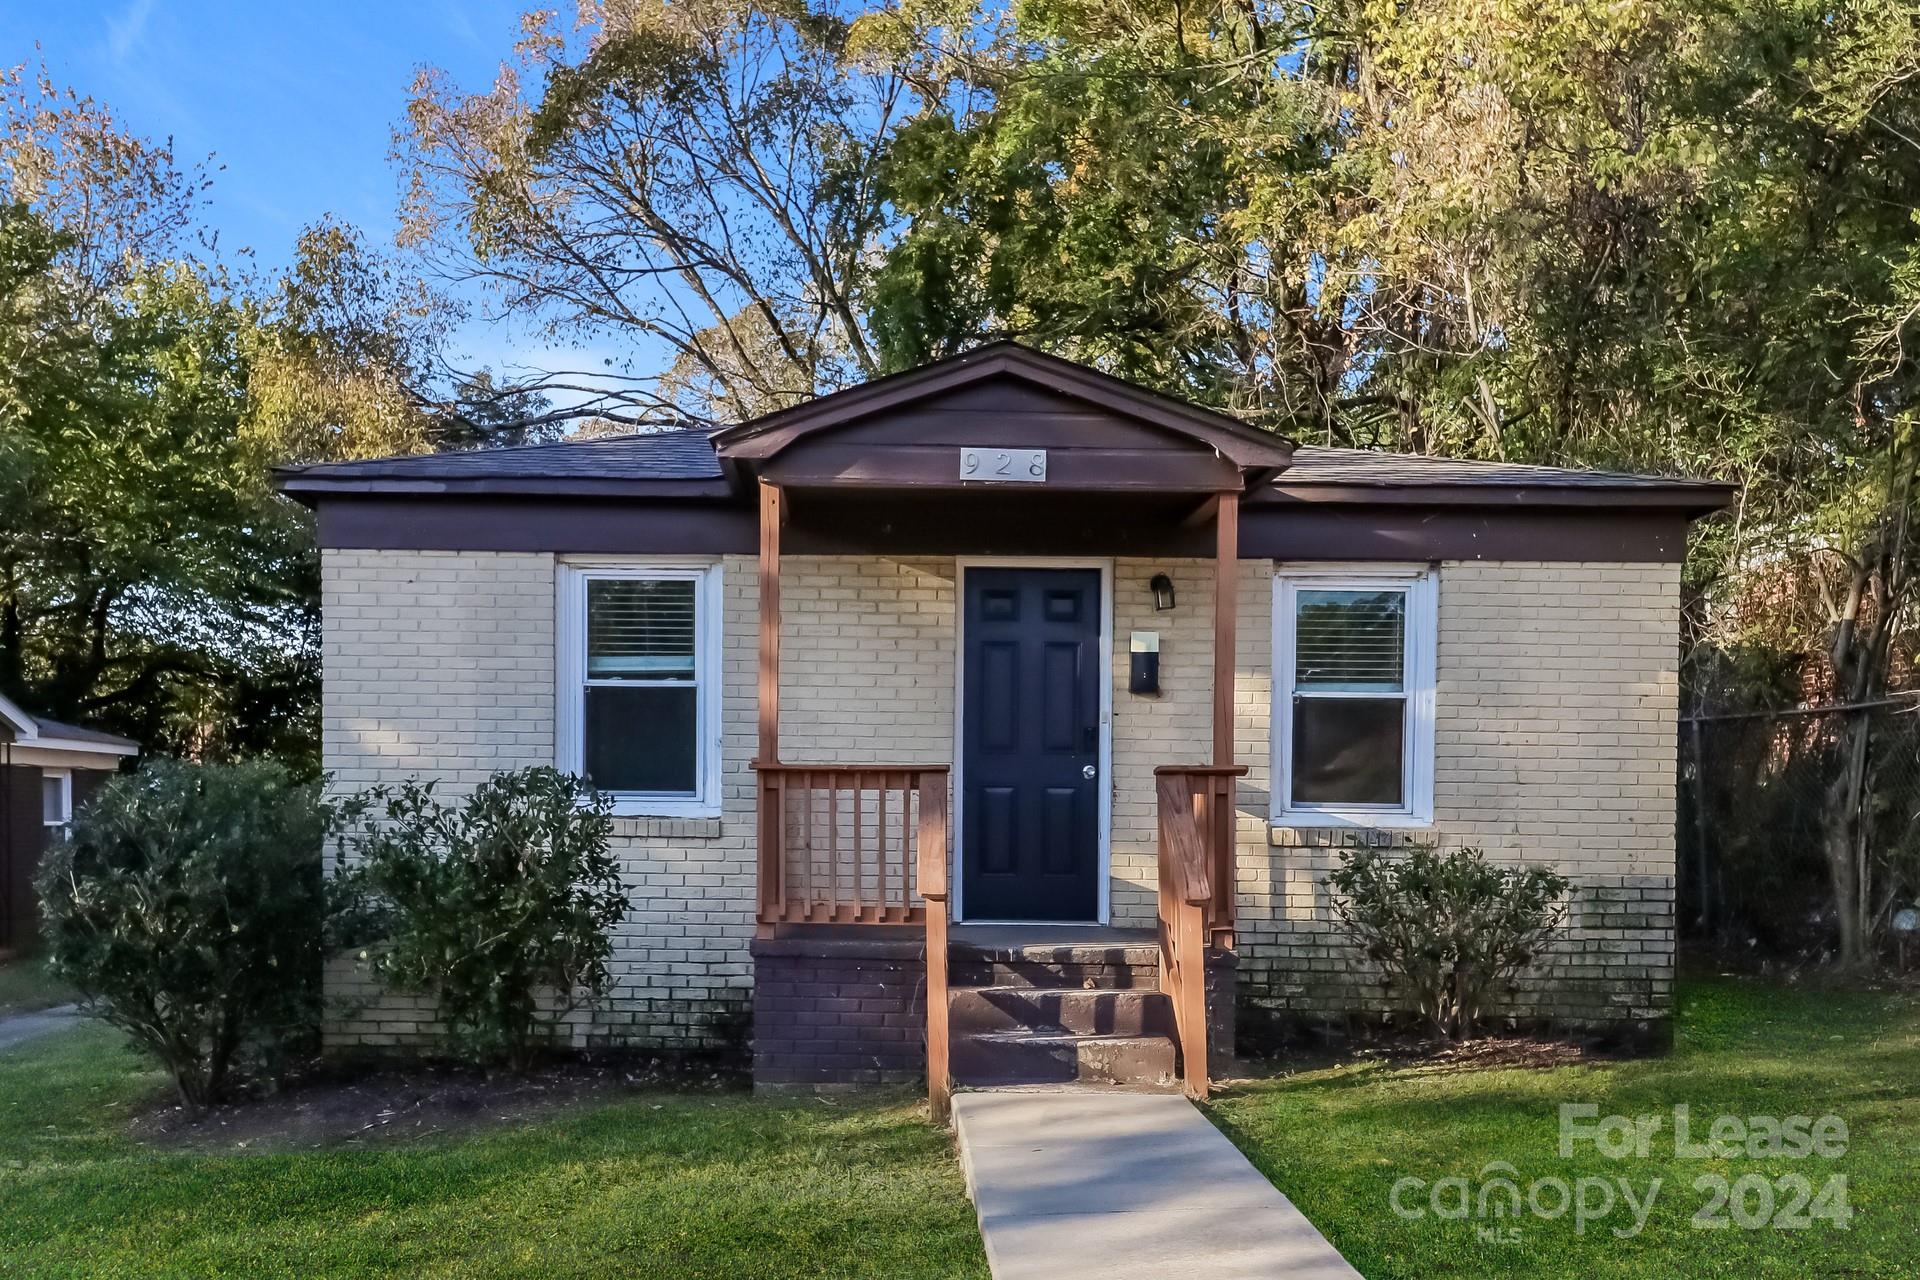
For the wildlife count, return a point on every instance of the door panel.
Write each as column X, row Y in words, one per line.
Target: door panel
column 1030, row 744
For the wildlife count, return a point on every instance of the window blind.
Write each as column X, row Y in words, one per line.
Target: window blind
column 640, row 629
column 1350, row 641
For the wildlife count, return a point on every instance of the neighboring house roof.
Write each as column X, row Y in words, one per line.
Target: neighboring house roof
column 42, row 734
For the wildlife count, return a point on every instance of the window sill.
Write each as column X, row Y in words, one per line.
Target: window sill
column 665, row 826
column 1325, row 831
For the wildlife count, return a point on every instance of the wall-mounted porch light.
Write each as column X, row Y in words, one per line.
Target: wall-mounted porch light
column 1162, row 588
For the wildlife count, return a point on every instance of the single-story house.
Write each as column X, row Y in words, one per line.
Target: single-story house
column 1013, row 683
column 47, row 770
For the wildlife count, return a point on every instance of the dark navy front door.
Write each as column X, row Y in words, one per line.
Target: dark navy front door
column 1030, row 745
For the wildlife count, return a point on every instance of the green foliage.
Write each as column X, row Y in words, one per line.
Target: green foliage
column 189, row 907
column 1446, row 927
column 500, row 907
column 150, row 581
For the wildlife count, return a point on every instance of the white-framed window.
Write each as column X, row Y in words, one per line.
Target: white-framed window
column 56, row 798
column 639, row 674
column 1353, row 695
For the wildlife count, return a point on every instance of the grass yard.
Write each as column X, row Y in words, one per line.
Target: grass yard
column 1337, row 1140
column 25, row 986
column 657, row 1184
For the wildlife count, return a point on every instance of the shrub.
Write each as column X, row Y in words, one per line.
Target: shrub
column 188, row 908
column 1446, row 927
column 500, row 907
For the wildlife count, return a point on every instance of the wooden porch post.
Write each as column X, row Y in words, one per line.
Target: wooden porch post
column 771, row 800
column 1222, row 814
column 771, row 503
column 1226, row 592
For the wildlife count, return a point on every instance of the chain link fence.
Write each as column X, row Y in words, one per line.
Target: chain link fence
column 1757, row 793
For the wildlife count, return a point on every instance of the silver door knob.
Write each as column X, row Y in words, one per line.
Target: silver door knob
column 1087, row 771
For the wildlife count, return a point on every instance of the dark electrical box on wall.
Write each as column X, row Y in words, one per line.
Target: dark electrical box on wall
column 1143, row 676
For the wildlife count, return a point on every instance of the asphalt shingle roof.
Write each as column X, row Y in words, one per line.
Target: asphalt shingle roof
column 1316, row 464
column 653, row 455
column 688, row 455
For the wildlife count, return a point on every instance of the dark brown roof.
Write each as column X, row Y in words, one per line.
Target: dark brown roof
column 695, row 464
column 1317, row 464
column 1322, row 474
column 678, row 457
column 671, row 462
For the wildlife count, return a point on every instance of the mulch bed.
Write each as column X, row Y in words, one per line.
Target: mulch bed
column 1417, row 1052
column 337, row 1109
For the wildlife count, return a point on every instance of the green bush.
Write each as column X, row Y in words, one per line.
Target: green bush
column 1446, row 927
column 188, row 907
column 500, row 907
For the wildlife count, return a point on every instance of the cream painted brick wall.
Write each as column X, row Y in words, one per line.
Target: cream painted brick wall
column 441, row 665
column 866, row 660
column 1556, row 708
column 435, row 664
column 1555, row 726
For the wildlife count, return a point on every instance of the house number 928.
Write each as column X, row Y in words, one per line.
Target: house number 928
column 1028, row 465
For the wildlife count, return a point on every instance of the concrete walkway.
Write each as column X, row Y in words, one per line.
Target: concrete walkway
column 1119, row 1186
column 25, row 1026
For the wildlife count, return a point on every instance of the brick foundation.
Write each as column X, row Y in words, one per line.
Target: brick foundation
column 839, row 1010
column 1607, row 975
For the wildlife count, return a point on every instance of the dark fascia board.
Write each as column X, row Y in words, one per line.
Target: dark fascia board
column 1234, row 440
column 310, row 489
column 1697, row 496
column 587, row 525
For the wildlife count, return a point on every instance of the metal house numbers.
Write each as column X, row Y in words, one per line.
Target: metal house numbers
column 1024, row 465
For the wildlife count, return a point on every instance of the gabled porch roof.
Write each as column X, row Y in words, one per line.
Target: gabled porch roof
column 1102, row 434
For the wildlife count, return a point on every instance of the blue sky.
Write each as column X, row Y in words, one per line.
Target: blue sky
column 296, row 101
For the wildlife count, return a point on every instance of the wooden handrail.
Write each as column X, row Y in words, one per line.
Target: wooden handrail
column 829, row 855
column 837, row 841
column 1196, row 897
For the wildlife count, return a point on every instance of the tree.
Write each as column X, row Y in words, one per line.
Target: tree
column 142, row 556
column 1652, row 235
column 698, row 178
column 347, row 358
column 150, row 579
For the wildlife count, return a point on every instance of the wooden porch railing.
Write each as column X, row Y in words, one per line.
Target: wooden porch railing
column 1197, row 872
column 862, row 845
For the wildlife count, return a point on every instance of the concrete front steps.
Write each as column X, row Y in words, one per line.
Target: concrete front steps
column 1059, row 1006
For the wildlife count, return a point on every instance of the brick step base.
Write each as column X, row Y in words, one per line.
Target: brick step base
column 1035, row 1057
column 1066, row 1011
column 1087, row 966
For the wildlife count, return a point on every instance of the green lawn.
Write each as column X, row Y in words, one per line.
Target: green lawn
column 676, row 1185
column 1337, row 1140
column 25, row 987
column 659, row 1184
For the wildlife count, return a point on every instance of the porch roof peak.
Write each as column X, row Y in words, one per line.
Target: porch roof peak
column 911, row 430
